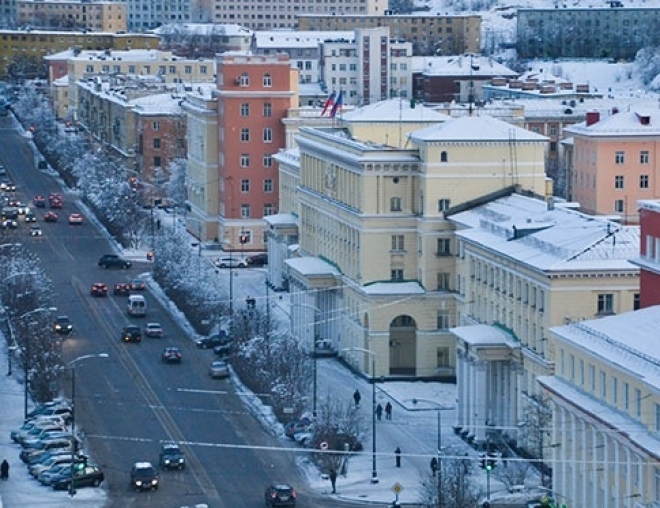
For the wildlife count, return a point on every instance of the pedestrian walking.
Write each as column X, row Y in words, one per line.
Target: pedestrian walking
column 434, row 466
column 379, row 411
column 388, row 411
column 357, row 397
column 333, row 480
column 397, row 455
column 4, row 470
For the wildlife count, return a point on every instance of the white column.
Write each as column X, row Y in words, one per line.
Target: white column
column 481, row 408
column 461, row 392
column 473, row 395
column 582, row 486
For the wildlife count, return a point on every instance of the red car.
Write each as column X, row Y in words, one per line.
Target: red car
column 39, row 201
column 56, row 203
column 50, row 217
column 99, row 289
column 121, row 289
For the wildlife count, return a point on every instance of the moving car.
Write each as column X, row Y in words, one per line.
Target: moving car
column 84, row 476
column 154, row 330
column 172, row 457
column 63, row 325
column 36, row 231
column 260, row 259
column 230, row 263
column 114, row 261
column 56, row 203
column 121, row 289
column 99, row 289
column 75, row 219
column 171, row 355
column 280, row 494
column 30, row 217
column 50, row 217
column 131, row 333
column 144, row 476
column 138, row 285
column 219, row 369
column 39, row 201
column 9, row 224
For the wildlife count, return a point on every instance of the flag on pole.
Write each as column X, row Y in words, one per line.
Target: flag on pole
column 329, row 103
column 337, row 105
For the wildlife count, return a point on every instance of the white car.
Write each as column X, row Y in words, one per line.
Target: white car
column 36, row 231
column 153, row 330
column 219, row 369
column 230, row 262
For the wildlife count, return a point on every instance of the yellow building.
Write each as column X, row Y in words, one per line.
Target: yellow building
column 523, row 266
column 20, row 47
column 606, row 411
column 376, row 255
column 99, row 16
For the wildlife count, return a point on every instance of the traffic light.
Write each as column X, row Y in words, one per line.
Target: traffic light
column 483, row 463
column 490, row 463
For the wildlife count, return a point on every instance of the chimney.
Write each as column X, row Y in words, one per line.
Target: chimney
column 643, row 119
column 592, row 117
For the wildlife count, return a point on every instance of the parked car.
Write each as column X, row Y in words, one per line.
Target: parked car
column 121, row 289
column 46, row 477
column 99, row 289
column 154, row 330
column 114, row 261
column 131, row 333
column 38, row 430
column 36, row 423
column 144, row 476
column 43, row 455
column 63, row 325
column 219, row 369
column 230, row 262
column 260, row 259
column 46, row 446
column 294, row 427
column 224, row 350
column 46, row 438
column 213, row 341
column 85, row 476
column 171, row 355
column 56, row 406
column 172, row 457
column 50, row 217
column 36, row 469
column 75, row 219
column 280, row 494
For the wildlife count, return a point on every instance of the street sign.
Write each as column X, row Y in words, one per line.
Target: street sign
column 287, row 410
column 397, row 488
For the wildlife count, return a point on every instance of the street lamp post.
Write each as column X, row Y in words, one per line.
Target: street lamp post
column 374, row 470
column 74, row 444
column 317, row 313
column 10, row 353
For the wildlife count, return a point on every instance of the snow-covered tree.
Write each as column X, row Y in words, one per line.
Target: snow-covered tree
column 647, row 65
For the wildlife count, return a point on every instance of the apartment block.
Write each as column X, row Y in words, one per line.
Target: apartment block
column 98, row 16
column 146, row 15
column 429, row 35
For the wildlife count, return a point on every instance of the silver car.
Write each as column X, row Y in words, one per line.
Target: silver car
column 230, row 262
column 219, row 369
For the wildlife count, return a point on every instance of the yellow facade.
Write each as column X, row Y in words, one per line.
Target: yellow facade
column 110, row 17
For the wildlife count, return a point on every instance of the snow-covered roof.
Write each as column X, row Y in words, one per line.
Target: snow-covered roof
column 463, row 65
column 641, row 120
column 63, row 81
column 310, row 89
column 649, row 204
column 394, row 288
column 476, row 129
column 281, row 219
column 130, row 55
column 394, row 110
column 311, row 266
column 485, row 335
column 523, row 229
column 230, row 30
column 158, row 104
column 297, row 39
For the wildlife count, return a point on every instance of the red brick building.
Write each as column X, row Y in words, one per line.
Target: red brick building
column 254, row 94
column 649, row 260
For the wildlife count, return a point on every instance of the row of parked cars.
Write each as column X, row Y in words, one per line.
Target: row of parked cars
column 50, row 451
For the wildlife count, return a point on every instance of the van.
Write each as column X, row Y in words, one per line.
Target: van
column 137, row 305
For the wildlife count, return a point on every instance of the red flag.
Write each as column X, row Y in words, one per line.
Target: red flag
column 338, row 105
column 329, row 103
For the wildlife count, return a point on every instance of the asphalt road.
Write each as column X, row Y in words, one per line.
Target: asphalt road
column 129, row 403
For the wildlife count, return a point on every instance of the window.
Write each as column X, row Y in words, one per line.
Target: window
column 626, row 396
column 395, row 204
column 245, row 211
column 397, row 242
column 396, row 275
column 269, row 209
column 619, row 157
column 268, row 109
column 443, row 281
column 156, row 142
column 157, row 162
column 245, row 160
column 155, row 125
column 131, row 69
column 657, row 417
column 592, row 378
column 202, row 69
column 268, row 135
column 618, row 182
column 268, row 185
column 644, row 157
column 268, row 161
column 245, row 109
column 606, row 304
column 643, row 181
column 444, row 320
column 444, row 247
column 638, row 403
column 244, row 80
column 245, row 134
column 618, row 205
column 245, row 185
column 443, row 205
column 172, row 69
column 615, row 391
column 603, row 385
column 581, row 374
column 443, row 157
column 187, row 69
column 268, row 80
column 637, row 301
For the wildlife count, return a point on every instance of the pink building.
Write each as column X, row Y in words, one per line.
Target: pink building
column 614, row 162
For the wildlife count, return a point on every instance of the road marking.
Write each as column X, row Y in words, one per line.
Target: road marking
column 199, row 390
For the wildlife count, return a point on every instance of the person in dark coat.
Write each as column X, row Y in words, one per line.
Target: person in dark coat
column 397, row 455
column 434, row 466
column 333, row 480
column 4, row 470
column 379, row 411
column 357, row 397
column 388, row 411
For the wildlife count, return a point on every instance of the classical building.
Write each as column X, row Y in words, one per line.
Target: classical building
column 614, row 162
column 375, row 258
column 616, row 33
column 605, row 446
column 97, row 15
column 429, row 35
column 525, row 265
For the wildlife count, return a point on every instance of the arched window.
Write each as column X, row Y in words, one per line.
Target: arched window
column 443, row 156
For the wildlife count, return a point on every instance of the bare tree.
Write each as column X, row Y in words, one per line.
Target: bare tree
column 451, row 487
column 512, row 472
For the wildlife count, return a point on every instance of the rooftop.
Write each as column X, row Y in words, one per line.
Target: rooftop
column 476, row 129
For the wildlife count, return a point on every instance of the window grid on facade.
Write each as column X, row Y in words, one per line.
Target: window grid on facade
column 444, row 322
column 156, row 142
column 619, row 157
column 268, row 80
column 443, row 281
column 245, row 160
column 443, row 204
column 268, row 109
column 618, row 182
column 618, row 205
column 245, row 211
column 245, row 185
column 245, row 134
column 268, row 135
column 395, row 204
column 245, row 109
column 268, row 161
column 396, row 274
column 397, row 242
column 605, row 303
column 643, row 181
column 644, row 157
column 444, row 247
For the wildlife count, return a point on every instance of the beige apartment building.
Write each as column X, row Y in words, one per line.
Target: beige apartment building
column 524, row 265
column 606, row 411
column 98, row 16
column 375, row 254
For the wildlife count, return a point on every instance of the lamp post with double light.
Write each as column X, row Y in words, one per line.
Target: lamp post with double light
column 74, row 444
